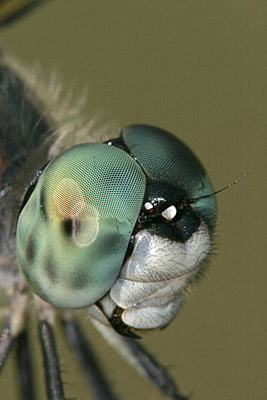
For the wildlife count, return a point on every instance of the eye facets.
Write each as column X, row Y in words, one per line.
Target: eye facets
column 93, row 196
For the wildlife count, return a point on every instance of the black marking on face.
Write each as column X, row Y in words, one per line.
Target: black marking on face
column 120, row 327
column 179, row 229
column 187, row 224
column 162, row 196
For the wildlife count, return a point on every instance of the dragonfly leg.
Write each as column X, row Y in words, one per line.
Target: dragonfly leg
column 147, row 365
column 86, row 358
column 14, row 324
column 54, row 386
column 24, row 367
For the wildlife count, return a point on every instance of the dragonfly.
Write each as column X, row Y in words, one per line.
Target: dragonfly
column 120, row 228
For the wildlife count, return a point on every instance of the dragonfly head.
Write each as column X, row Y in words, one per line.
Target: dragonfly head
column 74, row 229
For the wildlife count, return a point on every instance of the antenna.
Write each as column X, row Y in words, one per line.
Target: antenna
column 220, row 190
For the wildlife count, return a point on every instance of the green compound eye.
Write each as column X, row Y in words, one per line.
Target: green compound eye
column 73, row 233
column 165, row 158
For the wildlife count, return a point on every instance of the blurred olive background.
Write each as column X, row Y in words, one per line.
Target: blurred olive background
column 194, row 68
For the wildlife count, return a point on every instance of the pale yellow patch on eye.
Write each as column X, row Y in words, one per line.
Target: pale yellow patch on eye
column 68, row 203
column 68, row 200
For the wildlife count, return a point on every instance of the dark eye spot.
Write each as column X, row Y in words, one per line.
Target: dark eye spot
column 79, row 280
column 67, row 227
column 50, row 269
column 30, row 251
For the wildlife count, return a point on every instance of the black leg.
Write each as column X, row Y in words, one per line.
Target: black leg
column 54, row 385
column 12, row 14
column 137, row 356
column 24, row 367
column 154, row 372
column 97, row 382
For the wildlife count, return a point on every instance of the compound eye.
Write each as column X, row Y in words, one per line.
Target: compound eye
column 169, row 213
column 167, row 160
column 74, row 229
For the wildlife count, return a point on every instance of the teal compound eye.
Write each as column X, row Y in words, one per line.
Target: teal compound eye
column 174, row 172
column 74, row 230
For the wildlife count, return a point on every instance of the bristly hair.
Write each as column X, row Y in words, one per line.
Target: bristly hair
column 65, row 109
column 44, row 118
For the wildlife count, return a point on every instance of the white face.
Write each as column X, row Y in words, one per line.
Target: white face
column 151, row 282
